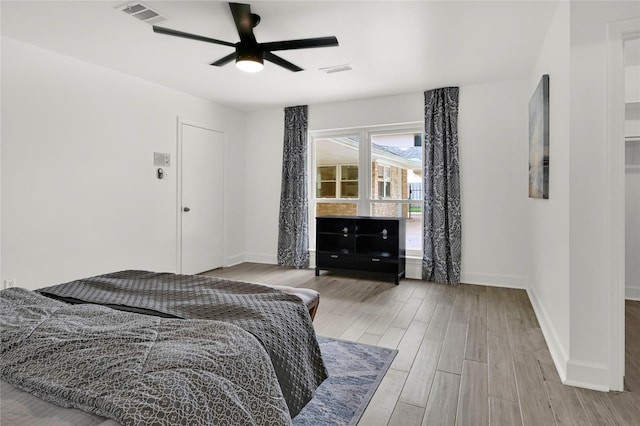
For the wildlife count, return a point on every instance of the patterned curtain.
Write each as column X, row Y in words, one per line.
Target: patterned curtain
column 293, row 235
column 442, row 221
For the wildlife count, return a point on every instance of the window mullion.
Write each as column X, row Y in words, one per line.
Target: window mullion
column 338, row 181
column 364, row 174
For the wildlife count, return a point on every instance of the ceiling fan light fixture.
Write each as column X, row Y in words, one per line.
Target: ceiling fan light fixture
column 250, row 65
column 249, row 58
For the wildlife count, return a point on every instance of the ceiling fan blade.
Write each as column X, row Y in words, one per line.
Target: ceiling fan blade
column 305, row 43
column 175, row 33
column 282, row 62
column 244, row 21
column 225, row 60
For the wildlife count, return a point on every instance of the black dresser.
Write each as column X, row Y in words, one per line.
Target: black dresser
column 358, row 243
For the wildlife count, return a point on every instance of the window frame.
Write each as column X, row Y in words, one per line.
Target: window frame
column 365, row 197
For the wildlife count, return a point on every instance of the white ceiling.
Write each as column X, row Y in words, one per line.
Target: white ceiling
column 393, row 46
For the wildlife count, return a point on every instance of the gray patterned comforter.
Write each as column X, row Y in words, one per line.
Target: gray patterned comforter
column 137, row 369
column 280, row 321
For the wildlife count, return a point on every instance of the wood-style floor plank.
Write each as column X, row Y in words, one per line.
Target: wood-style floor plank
column 384, row 401
column 476, row 348
column 386, row 317
column 598, row 407
column 416, row 389
column 632, row 346
column 358, row 327
column 391, row 337
column 503, row 412
column 497, row 311
column 443, row 400
column 507, row 376
column 534, row 400
column 439, row 321
column 406, row 415
column 452, row 352
column 502, row 378
column 566, row 405
column 409, row 345
column 405, row 316
column 473, row 402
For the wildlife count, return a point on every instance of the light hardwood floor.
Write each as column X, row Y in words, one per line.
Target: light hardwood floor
column 468, row 354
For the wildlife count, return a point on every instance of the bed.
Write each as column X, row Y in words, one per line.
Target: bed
column 268, row 331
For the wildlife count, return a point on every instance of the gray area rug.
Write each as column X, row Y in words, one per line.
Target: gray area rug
column 355, row 371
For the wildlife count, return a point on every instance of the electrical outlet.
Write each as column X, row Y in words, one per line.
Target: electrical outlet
column 9, row 283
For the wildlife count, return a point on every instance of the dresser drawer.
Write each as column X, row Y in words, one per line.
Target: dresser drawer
column 374, row 263
column 335, row 260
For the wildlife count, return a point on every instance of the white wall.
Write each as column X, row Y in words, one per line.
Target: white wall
column 402, row 108
column 79, row 193
column 493, row 149
column 548, row 220
column 265, row 136
column 590, row 313
column 492, row 154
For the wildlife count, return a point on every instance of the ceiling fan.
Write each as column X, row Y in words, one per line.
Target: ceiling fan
column 249, row 54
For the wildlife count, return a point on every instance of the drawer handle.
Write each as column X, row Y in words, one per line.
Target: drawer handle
column 375, row 259
column 334, row 256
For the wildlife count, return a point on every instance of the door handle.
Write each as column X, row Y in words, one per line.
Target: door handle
column 186, row 209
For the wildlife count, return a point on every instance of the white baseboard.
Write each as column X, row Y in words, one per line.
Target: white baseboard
column 558, row 353
column 588, row 375
column 235, row 260
column 495, row 280
column 414, row 271
column 413, row 268
column 572, row 372
column 632, row 293
column 271, row 259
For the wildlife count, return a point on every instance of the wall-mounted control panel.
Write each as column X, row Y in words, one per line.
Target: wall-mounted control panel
column 161, row 160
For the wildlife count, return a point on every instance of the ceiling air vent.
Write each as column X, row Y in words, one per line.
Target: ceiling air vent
column 142, row 12
column 336, row 68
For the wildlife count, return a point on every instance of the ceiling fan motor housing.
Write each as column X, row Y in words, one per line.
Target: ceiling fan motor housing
column 249, row 52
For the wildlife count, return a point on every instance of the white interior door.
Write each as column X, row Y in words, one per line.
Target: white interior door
column 202, row 199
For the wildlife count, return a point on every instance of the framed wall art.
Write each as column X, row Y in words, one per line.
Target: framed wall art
column 539, row 140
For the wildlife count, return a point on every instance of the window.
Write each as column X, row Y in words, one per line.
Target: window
column 349, row 181
column 384, row 182
column 326, row 179
column 382, row 177
column 337, row 183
